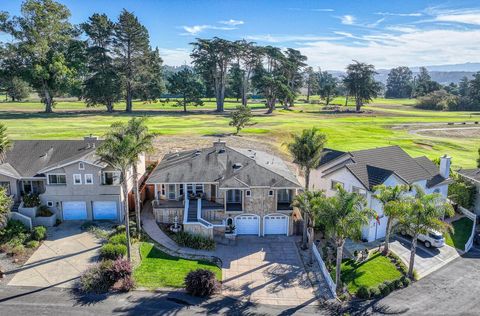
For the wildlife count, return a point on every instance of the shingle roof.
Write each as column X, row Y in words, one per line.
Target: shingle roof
column 471, row 173
column 29, row 157
column 231, row 167
column 373, row 166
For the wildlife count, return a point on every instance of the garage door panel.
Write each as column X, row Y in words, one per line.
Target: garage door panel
column 74, row 210
column 247, row 225
column 105, row 210
column 276, row 225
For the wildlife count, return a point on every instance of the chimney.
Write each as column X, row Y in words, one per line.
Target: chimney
column 218, row 145
column 90, row 141
column 445, row 163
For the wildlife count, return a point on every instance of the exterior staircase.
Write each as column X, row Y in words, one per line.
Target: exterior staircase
column 192, row 211
column 15, row 206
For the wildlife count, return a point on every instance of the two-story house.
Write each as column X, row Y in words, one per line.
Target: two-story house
column 68, row 177
column 211, row 188
column 360, row 171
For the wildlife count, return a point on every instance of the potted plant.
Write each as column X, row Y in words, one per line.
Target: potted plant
column 230, row 231
column 29, row 205
column 45, row 217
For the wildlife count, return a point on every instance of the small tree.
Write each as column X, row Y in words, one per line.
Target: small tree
column 18, row 89
column 360, row 83
column 5, row 143
column 188, row 86
column 422, row 213
column 5, row 205
column 241, row 118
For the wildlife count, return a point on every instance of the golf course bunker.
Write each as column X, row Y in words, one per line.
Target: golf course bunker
column 450, row 132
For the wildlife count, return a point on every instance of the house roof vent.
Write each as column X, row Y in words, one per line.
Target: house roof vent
column 237, row 166
column 221, row 151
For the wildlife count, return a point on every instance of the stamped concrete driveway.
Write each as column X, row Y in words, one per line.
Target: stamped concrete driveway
column 265, row 270
column 427, row 260
column 60, row 260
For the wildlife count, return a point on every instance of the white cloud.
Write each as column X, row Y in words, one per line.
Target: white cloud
column 464, row 18
column 387, row 50
column 347, row 19
column 232, row 22
column 289, row 38
column 323, row 10
column 175, row 56
column 402, row 28
column 197, row 29
column 413, row 14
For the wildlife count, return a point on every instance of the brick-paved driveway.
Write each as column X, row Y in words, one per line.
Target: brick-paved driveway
column 265, row 270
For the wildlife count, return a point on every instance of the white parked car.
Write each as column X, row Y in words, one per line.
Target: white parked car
column 433, row 238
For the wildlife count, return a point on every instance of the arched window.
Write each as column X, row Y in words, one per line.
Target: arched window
column 229, row 221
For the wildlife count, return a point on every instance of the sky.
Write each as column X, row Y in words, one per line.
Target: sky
column 330, row 33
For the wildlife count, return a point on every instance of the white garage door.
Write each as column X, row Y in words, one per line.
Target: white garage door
column 276, row 225
column 247, row 225
column 74, row 211
column 105, row 210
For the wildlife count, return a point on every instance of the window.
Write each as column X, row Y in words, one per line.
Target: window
column 436, row 191
column 57, row 179
column 181, row 191
column 6, row 186
column 88, row 179
column 50, row 203
column 81, row 166
column 248, row 193
column 163, row 190
column 284, row 196
column 234, row 196
column 111, row 177
column 359, row 191
column 77, row 178
column 190, row 188
column 335, row 183
column 172, row 195
column 270, row 193
column 198, row 188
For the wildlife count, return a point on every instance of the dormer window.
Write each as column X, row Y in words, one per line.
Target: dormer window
column 81, row 166
column 237, row 166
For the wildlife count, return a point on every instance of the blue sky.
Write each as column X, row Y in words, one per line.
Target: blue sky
column 331, row 33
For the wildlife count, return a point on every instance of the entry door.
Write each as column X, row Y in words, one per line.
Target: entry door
column 213, row 192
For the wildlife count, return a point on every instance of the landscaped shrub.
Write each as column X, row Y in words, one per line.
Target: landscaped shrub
column 39, row 233
column 32, row 244
column 201, row 283
column 120, row 229
column 406, row 281
column 384, row 288
column 97, row 278
column 31, row 200
column 186, row 239
column 121, row 275
column 363, row 292
column 13, row 228
column 44, row 211
column 374, row 291
column 18, row 250
column 113, row 252
column 118, row 239
column 397, row 283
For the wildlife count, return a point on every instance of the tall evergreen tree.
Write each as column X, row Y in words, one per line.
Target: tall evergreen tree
column 151, row 84
column 399, row 83
column 327, row 86
column 311, row 82
column 187, row 86
column 131, row 46
column 292, row 69
column 248, row 56
column 103, row 84
column 424, row 84
column 360, row 83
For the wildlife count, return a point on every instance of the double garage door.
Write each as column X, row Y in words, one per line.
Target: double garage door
column 102, row 210
column 250, row 225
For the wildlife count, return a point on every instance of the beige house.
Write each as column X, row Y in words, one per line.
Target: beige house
column 214, row 189
column 68, row 177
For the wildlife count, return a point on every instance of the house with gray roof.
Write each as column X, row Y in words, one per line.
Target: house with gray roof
column 212, row 189
column 360, row 171
column 473, row 176
column 68, row 177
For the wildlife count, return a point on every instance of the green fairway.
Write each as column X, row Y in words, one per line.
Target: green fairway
column 385, row 122
column 462, row 229
column 158, row 269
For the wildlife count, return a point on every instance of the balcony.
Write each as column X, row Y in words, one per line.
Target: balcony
column 234, row 207
column 167, row 204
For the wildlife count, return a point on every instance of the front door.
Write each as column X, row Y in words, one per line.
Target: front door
column 213, row 192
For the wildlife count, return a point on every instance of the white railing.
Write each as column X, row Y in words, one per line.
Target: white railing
column 323, row 268
column 185, row 211
column 27, row 221
column 473, row 217
column 467, row 213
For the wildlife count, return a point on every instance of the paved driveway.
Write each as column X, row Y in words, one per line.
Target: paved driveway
column 427, row 260
column 60, row 260
column 265, row 270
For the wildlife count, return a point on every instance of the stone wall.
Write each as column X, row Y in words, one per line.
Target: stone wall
column 198, row 229
column 167, row 215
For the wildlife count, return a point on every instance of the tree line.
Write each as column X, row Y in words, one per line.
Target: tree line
column 103, row 62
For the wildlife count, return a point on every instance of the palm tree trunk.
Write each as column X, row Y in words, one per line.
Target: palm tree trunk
column 387, row 235
column 305, row 215
column 125, row 211
column 137, row 197
column 413, row 251
column 338, row 268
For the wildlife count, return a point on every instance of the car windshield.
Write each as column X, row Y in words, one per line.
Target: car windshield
column 435, row 236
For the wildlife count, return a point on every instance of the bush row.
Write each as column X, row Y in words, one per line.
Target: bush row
column 106, row 275
column 186, row 239
column 382, row 289
column 15, row 237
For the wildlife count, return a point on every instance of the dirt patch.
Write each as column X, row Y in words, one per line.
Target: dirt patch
column 449, row 132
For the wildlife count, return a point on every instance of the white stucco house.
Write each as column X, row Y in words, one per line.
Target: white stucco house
column 360, row 171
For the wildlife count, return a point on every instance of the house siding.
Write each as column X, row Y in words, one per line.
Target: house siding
column 14, row 189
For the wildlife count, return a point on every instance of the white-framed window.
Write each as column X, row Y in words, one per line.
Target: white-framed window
column 234, row 196
column 111, row 177
column 335, row 183
column 190, row 188
column 50, row 203
column 57, row 179
column 172, row 194
column 284, row 195
column 248, row 193
column 77, row 178
column 81, row 166
column 198, row 188
column 270, row 193
column 88, row 178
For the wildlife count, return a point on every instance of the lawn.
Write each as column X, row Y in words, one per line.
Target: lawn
column 388, row 122
column 376, row 270
column 462, row 230
column 158, row 269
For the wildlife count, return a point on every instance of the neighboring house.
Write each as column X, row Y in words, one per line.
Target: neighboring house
column 68, row 177
column 212, row 188
column 473, row 175
column 359, row 171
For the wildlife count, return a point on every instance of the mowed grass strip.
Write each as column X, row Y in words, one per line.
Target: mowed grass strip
column 159, row 269
column 372, row 272
column 462, row 229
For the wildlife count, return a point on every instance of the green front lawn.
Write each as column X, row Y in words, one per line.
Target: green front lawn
column 371, row 273
column 158, row 269
column 462, row 229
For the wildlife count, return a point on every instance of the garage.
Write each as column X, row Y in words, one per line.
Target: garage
column 105, row 210
column 276, row 224
column 74, row 211
column 247, row 224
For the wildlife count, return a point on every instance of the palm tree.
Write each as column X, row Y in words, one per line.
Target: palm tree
column 307, row 149
column 343, row 216
column 138, row 129
column 391, row 199
column 5, row 143
column 119, row 151
column 422, row 213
